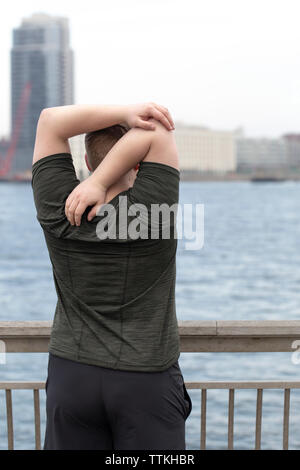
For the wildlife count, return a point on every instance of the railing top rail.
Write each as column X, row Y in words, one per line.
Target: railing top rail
column 25, row 328
column 240, row 328
column 186, row 328
column 195, row 336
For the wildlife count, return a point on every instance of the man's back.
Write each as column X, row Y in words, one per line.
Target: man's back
column 115, row 280
column 116, row 297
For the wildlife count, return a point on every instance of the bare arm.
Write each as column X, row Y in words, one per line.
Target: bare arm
column 124, row 155
column 56, row 125
column 136, row 145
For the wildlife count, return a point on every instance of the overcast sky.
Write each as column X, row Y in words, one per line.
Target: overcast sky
column 218, row 63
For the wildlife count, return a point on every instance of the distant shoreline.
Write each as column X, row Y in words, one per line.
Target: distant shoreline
column 265, row 177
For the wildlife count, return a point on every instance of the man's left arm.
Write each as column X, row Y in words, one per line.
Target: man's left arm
column 57, row 124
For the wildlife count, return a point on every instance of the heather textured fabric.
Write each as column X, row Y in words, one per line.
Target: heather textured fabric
column 116, row 297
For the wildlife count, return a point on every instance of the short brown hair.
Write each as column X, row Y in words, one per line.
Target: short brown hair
column 98, row 143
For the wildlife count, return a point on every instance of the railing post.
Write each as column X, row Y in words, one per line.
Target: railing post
column 286, row 416
column 37, row 419
column 9, row 417
column 203, row 420
column 258, row 418
column 230, row 418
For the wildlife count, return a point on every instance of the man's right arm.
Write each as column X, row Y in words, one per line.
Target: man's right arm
column 135, row 146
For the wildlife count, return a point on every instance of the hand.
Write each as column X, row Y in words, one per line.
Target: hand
column 137, row 115
column 87, row 193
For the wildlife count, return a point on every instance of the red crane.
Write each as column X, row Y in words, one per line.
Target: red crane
column 6, row 161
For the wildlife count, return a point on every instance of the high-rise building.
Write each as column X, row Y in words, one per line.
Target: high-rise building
column 41, row 77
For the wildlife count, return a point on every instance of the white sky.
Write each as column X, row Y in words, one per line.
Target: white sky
column 219, row 63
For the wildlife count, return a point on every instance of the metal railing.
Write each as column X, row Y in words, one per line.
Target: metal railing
column 260, row 386
column 195, row 336
column 36, row 387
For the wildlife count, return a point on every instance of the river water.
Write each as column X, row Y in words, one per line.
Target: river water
column 247, row 269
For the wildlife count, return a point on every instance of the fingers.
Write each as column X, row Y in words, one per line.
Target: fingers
column 166, row 113
column 146, row 124
column 74, row 209
column 70, row 212
column 163, row 115
column 80, row 208
column 68, row 203
column 93, row 212
column 159, row 116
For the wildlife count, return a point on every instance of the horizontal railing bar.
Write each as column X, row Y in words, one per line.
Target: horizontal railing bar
column 22, row 385
column 266, row 384
column 195, row 336
column 240, row 344
column 258, row 328
column 186, row 328
column 25, row 328
column 272, row 384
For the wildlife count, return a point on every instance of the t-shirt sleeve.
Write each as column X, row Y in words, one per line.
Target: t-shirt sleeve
column 153, row 201
column 53, row 179
column 156, row 183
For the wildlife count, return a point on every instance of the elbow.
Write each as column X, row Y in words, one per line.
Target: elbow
column 45, row 118
column 45, row 114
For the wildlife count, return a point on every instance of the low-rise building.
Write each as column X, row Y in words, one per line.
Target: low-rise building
column 205, row 150
column 260, row 154
column 292, row 147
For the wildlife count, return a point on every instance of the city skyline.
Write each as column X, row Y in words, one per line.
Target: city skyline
column 41, row 76
column 232, row 66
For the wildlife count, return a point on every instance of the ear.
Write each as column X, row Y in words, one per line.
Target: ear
column 87, row 162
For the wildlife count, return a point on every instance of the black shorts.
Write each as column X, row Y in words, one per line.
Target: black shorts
column 96, row 408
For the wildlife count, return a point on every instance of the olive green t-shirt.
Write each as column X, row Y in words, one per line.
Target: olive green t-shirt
column 115, row 296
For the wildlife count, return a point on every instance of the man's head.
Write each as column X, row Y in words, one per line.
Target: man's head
column 98, row 143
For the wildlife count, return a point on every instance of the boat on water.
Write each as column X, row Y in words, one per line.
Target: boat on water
column 267, row 179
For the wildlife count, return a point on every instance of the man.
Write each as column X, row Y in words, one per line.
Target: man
column 114, row 381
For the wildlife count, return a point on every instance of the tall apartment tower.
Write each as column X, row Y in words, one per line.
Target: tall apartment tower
column 42, row 64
